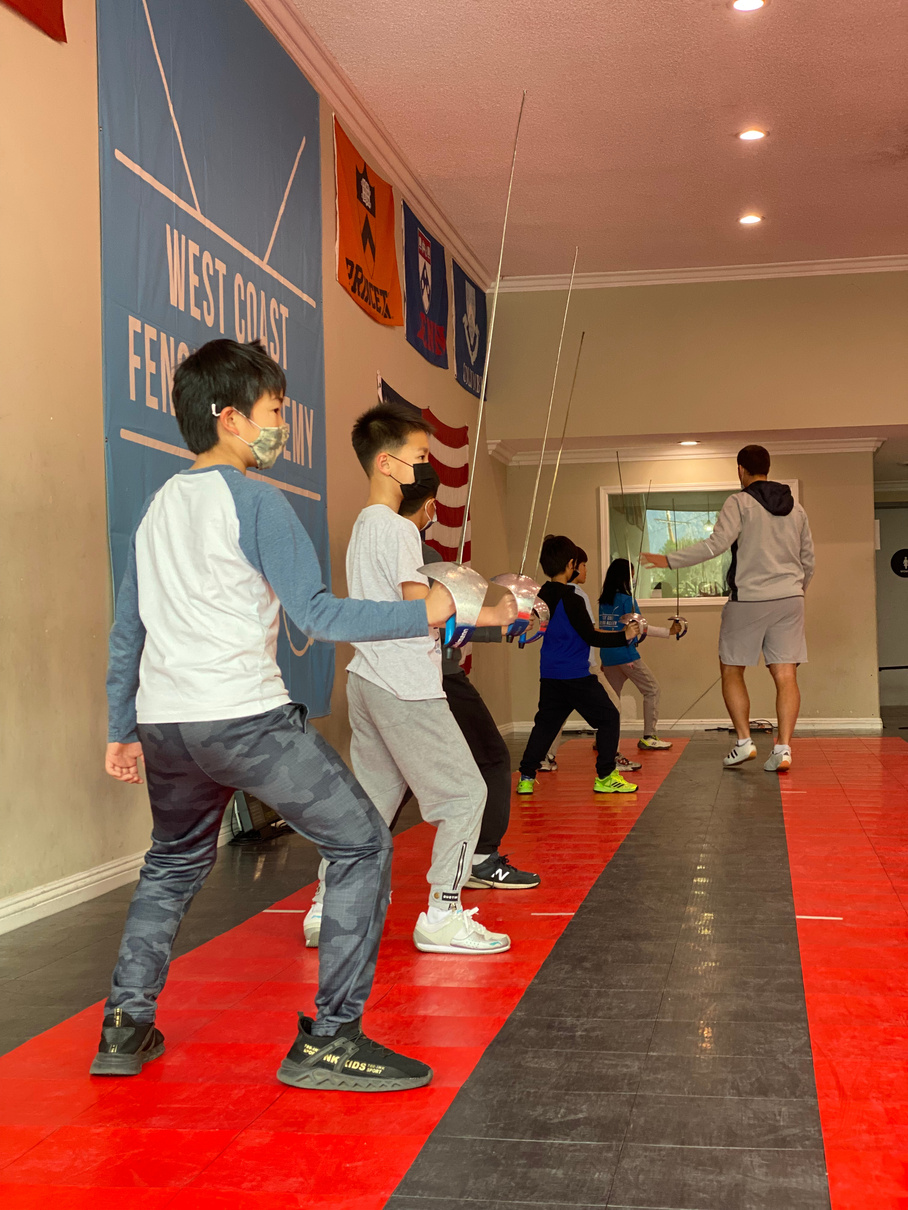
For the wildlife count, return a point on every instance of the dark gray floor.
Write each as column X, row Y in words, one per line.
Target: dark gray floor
column 58, row 966
column 661, row 1057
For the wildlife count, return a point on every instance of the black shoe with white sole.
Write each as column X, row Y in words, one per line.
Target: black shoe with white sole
column 348, row 1062
column 126, row 1046
column 498, row 873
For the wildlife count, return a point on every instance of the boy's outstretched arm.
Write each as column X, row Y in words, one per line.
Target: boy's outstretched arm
column 275, row 542
column 583, row 624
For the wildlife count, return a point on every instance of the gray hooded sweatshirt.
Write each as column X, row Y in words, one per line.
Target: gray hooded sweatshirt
column 769, row 537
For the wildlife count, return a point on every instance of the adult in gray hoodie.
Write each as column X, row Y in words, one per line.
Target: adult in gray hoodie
column 772, row 563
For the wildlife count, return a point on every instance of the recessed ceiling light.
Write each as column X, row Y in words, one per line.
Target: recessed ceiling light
column 748, row 220
column 688, row 442
column 752, row 135
column 748, row 6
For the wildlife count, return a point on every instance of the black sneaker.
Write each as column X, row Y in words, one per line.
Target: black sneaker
column 125, row 1046
column 348, row 1062
column 497, row 872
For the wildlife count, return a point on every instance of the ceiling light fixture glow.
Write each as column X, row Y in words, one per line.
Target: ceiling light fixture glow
column 688, row 442
column 752, row 135
column 748, row 6
column 748, row 220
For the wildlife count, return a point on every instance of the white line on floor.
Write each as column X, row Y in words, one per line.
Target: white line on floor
column 285, row 911
column 551, row 913
column 819, row 917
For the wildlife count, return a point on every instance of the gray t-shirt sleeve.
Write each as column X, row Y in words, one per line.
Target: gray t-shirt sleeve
column 276, row 544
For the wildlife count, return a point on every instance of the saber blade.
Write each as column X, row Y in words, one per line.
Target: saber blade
column 548, row 419
column 485, row 368
column 545, row 524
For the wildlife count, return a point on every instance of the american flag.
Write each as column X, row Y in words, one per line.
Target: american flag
column 449, row 453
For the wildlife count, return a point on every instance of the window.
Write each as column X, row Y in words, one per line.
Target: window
column 661, row 521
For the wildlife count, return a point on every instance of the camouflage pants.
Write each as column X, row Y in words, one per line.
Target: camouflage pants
column 192, row 771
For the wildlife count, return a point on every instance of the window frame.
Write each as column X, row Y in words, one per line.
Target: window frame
column 678, row 489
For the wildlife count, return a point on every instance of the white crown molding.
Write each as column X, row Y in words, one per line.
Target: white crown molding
column 709, row 273
column 321, row 69
column 503, row 451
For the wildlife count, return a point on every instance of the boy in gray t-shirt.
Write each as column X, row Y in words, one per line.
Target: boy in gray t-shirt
column 403, row 731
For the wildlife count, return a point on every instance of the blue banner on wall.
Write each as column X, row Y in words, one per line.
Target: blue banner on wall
column 211, row 227
column 470, row 330
column 426, row 285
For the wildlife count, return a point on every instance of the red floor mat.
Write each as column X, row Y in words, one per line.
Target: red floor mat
column 208, row 1125
column 846, row 817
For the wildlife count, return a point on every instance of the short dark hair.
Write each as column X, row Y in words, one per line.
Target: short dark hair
column 557, row 551
column 383, row 429
column 222, row 374
column 580, row 556
column 754, row 459
column 409, row 508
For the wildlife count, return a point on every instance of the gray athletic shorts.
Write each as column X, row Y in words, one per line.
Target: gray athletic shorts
column 775, row 628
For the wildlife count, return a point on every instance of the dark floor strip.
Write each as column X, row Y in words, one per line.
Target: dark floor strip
column 56, row 967
column 661, row 1057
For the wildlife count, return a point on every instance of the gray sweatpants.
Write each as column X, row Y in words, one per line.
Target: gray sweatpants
column 640, row 675
column 192, row 771
column 397, row 744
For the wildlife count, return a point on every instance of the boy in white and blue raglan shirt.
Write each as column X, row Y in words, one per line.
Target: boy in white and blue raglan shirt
column 195, row 690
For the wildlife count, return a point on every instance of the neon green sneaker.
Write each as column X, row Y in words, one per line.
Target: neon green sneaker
column 526, row 785
column 614, row 784
column 652, row 743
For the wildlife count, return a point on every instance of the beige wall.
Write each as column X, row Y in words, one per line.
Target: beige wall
column 840, row 681
column 356, row 350
column 59, row 812
column 706, row 358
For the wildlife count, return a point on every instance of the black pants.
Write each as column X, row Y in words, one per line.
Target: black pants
column 557, row 699
column 490, row 753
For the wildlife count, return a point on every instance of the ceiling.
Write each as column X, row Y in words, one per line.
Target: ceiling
column 628, row 144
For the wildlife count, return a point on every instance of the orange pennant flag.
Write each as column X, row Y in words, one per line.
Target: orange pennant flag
column 366, row 250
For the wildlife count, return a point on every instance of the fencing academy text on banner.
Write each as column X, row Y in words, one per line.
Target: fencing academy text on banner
column 426, row 288
column 470, row 330
column 211, row 227
column 366, row 249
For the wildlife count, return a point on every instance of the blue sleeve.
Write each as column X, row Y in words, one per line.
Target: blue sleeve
column 275, row 542
column 127, row 639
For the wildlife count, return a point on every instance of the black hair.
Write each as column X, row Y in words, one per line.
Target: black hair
column 754, row 459
column 617, row 579
column 557, row 551
column 409, row 508
column 221, row 374
column 383, row 429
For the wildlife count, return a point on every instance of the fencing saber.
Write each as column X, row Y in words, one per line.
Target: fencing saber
column 682, row 622
column 466, row 586
column 634, row 615
column 693, row 703
column 540, row 608
column 524, row 588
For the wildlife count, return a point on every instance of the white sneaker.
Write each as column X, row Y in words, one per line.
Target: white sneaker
column 549, row 765
column 625, row 765
column 779, row 761
column 743, row 751
column 459, row 933
column 312, row 925
column 652, row 743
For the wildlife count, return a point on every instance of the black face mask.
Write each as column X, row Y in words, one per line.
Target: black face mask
column 425, row 481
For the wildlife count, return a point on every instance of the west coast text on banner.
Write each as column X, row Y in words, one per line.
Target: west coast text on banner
column 366, row 250
column 426, row 290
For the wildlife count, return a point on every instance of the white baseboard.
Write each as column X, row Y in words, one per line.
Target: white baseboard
column 806, row 726
column 41, row 901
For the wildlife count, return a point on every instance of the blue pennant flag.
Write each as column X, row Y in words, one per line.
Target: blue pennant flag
column 426, row 284
column 470, row 330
